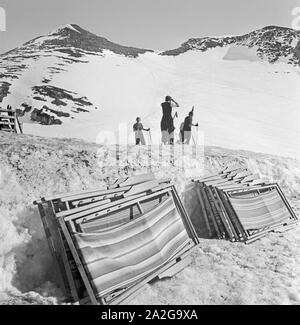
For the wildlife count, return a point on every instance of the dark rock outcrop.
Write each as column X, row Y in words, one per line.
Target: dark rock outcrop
column 4, row 90
column 44, row 118
column 271, row 42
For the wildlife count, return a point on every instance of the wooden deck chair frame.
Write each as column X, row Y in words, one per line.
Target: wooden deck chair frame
column 212, row 204
column 188, row 226
column 206, row 210
column 230, row 177
column 67, row 201
column 216, row 214
column 10, row 120
column 56, row 239
column 227, row 226
column 219, row 214
column 250, row 237
column 96, row 207
column 56, row 244
column 222, row 210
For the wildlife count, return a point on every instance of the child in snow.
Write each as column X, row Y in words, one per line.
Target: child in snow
column 138, row 128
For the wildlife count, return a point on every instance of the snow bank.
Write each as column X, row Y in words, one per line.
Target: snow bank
column 221, row 272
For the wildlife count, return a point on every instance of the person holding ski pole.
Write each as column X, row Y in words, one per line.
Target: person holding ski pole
column 186, row 128
column 138, row 129
column 167, row 121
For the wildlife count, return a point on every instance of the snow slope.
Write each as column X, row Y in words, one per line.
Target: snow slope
column 241, row 100
column 266, row 272
column 239, row 104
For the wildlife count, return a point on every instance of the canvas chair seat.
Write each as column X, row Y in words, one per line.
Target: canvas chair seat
column 263, row 210
column 119, row 257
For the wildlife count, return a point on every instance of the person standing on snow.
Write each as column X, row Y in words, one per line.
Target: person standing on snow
column 167, row 122
column 138, row 129
column 186, row 128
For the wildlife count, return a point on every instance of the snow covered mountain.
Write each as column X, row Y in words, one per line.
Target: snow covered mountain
column 49, row 55
column 72, row 83
column 271, row 43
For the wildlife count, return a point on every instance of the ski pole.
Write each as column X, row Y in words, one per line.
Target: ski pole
column 150, row 136
column 193, row 138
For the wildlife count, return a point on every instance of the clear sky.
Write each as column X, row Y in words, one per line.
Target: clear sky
column 154, row 24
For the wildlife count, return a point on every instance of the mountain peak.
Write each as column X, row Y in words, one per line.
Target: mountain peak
column 75, row 41
column 67, row 27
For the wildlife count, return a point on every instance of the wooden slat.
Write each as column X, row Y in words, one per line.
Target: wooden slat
column 141, row 188
column 113, row 206
column 6, row 123
column 216, row 213
column 211, row 213
column 287, row 203
column 263, row 232
column 78, row 262
column 220, row 181
column 221, row 214
column 259, row 181
column 7, row 111
column 138, row 179
column 52, row 248
column 202, row 206
column 93, row 199
column 77, row 196
column 4, row 117
column 184, row 216
column 94, row 207
column 85, row 203
column 234, row 218
column 19, row 125
column 66, row 268
column 249, row 189
column 226, row 215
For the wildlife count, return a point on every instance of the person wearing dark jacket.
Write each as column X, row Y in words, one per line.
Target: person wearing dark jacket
column 186, row 128
column 167, row 121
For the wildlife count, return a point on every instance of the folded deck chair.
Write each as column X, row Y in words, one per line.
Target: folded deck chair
column 70, row 230
column 261, row 210
column 120, row 257
column 240, row 212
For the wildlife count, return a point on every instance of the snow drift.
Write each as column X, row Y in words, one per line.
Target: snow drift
column 221, row 272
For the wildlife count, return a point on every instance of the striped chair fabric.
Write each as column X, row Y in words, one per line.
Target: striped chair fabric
column 119, row 257
column 263, row 210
